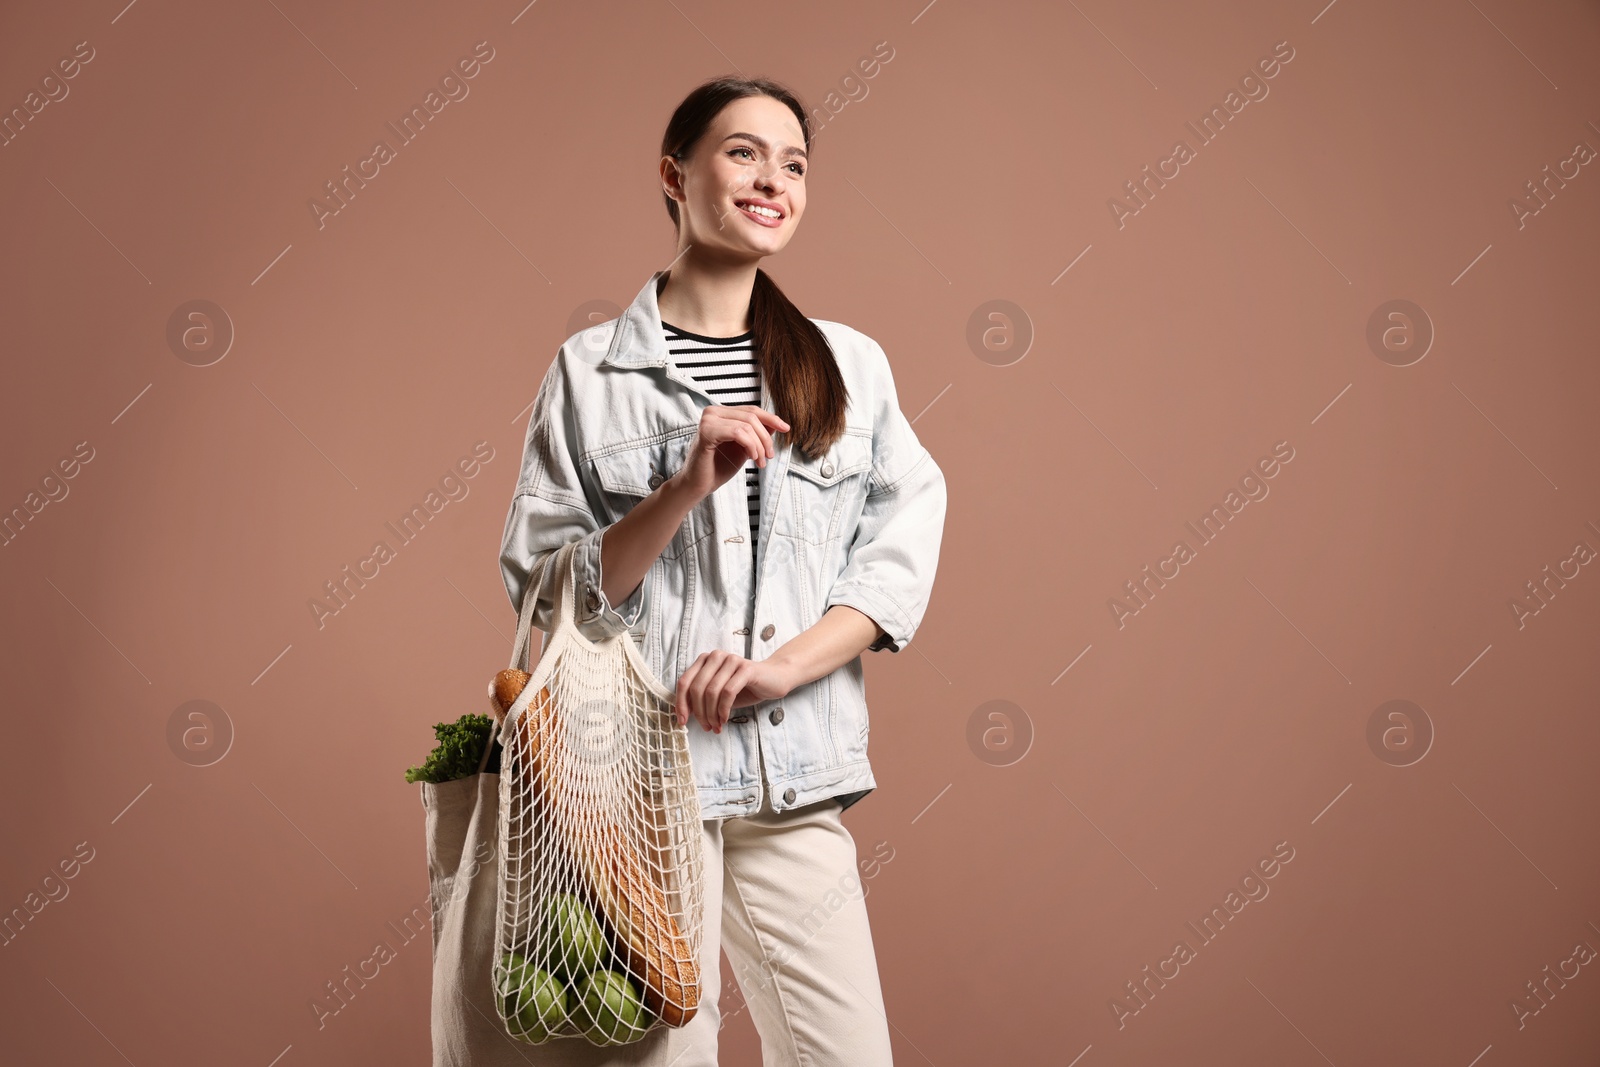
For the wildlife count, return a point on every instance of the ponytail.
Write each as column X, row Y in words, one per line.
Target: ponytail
column 801, row 371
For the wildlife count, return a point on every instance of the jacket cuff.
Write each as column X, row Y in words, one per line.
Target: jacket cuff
column 595, row 615
column 881, row 610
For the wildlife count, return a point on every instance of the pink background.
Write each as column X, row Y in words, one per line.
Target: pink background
column 1042, row 859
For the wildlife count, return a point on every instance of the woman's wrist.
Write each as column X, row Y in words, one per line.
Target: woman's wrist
column 842, row 634
column 635, row 541
column 683, row 498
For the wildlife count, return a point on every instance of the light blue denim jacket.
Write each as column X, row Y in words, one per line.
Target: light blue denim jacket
column 860, row 525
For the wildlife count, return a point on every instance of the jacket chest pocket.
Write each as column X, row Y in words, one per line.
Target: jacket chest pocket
column 826, row 494
column 626, row 473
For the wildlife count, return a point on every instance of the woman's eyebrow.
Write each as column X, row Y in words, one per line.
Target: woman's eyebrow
column 764, row 146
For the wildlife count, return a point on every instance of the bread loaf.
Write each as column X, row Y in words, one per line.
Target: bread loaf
column 628, row 901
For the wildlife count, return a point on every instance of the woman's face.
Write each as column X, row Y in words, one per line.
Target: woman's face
column 742, row 192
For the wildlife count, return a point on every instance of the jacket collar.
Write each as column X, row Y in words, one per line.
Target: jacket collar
column 639, row 340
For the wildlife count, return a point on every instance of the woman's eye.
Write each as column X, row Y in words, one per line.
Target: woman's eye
column 796, row 166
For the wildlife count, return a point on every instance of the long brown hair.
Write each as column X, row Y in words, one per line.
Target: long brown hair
column 808, row 390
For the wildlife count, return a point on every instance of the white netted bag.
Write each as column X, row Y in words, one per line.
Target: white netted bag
column 598, row 924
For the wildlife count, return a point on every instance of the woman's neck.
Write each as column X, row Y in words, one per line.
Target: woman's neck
column 708, row 299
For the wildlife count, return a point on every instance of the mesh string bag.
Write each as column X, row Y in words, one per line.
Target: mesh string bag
column 598, row 921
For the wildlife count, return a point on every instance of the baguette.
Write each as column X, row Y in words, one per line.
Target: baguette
column 628, row 901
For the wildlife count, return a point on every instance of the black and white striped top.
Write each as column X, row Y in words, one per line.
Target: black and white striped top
column 726, row 368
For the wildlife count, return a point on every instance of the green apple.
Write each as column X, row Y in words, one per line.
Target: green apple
column 516, row 967
column 536, row 1003
column 572, row 939
column 612, row 1013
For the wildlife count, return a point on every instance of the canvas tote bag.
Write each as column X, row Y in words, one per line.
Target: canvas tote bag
column 462, row 873
column 568, row 887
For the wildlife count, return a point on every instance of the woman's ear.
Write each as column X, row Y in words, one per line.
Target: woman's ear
column 671, row 179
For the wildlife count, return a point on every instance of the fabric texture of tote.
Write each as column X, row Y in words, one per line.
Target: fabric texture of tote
column 463, row 877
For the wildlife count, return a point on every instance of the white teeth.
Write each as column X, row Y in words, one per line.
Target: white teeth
column 756, row 209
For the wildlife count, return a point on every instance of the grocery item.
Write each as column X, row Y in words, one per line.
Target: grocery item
column 610, row 1010
column 572, row 937
column 536, row 1003
column 458, row 753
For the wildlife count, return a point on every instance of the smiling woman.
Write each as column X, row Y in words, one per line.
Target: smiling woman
column 741, row 485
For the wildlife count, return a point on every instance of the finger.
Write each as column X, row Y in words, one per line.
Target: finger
column 680, row 698
column 719, row 695
column 697, row 688
column 753, row 420
column 714, row 693
column 679, row 703
column 751, row 417
column 688, row 695
column 732, row 686
column 772, row 419
column 754, row 445
column 746, row 429
column 735, row 442
column 737, row 432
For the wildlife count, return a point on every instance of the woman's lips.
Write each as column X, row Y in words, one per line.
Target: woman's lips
column 764, row 220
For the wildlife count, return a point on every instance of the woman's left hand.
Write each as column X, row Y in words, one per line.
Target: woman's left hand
column 719, row 681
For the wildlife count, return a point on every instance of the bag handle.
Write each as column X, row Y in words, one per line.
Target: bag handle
column 562, row 560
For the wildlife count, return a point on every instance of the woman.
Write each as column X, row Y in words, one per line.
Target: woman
column 752, row 506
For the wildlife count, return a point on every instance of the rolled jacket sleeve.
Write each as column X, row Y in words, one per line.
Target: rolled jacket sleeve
column 889, row 572
column 552, row 506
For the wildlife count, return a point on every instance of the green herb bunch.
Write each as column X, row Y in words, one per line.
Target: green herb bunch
column 460, row 750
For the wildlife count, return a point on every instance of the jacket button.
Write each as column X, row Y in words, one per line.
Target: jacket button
column 827, row 470
column 593, row 601
column 767, row 631
column 656, row 479
column 776, row 717
column 788, row 796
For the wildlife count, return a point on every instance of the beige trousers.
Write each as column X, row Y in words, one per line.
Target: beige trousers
column 793, row 913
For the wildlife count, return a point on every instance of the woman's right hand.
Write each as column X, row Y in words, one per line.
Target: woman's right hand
column 725, row 440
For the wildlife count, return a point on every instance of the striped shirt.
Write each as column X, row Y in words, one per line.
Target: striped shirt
column 726, row 368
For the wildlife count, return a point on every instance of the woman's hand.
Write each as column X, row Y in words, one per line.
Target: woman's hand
column 727, row 438
column 719, row 681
